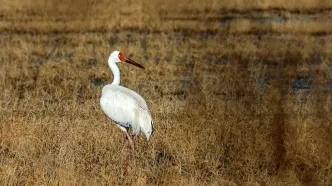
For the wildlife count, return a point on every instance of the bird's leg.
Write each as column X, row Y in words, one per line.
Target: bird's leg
column 126, row 138
column 131, row 142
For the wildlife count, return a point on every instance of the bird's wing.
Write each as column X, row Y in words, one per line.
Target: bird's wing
column 126, row 94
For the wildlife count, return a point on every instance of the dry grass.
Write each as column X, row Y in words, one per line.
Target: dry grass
column 222, row 96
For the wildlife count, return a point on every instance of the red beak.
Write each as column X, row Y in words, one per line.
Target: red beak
column 130, row 61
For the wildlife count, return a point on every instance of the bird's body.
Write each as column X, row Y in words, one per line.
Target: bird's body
column 124, row 106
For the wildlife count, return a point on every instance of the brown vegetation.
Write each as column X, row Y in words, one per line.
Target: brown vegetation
column 221, row 80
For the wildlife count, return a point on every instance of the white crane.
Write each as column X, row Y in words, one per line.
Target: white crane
column 124, row 106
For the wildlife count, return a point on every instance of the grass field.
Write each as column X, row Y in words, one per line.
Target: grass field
column 240, row 92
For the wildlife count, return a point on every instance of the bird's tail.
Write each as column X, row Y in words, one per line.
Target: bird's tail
column 146, row 123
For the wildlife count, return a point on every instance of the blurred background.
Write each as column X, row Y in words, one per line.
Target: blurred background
column 240, row 91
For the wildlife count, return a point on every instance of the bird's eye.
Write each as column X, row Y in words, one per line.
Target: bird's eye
column 122, row 57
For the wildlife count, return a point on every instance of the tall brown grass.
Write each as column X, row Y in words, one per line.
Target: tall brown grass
column 223, row 98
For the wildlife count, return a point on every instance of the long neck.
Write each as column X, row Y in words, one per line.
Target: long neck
column 116, row 73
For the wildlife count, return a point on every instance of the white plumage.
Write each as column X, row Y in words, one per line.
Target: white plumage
column 124, row 106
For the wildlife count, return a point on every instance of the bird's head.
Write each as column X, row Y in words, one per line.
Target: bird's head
column 117, row 56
